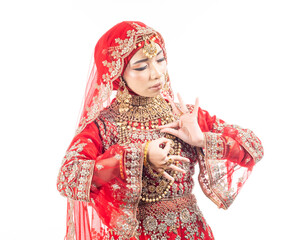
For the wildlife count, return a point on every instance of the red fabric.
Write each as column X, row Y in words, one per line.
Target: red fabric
column 104, row 202
column 237, row 149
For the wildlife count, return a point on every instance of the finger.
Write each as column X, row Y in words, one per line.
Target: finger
column 196, row 107
column 176, row 111
column 178, row 169
column 170, row 131
column 179, row 158
column 170, row 125
column 182, row 104
column 167, row 176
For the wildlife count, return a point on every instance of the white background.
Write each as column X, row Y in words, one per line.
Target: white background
column 240, row 57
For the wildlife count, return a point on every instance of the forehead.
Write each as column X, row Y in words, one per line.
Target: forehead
column 141, row 55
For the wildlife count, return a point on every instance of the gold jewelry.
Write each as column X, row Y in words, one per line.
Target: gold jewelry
column 149, row 49
column 181, row 112
column 144, row 113
column 147, row 113
column 145, row 153
column 166, row 86
column 121, row 168
column 169, row 162
column 179, row 115
column 123, row 97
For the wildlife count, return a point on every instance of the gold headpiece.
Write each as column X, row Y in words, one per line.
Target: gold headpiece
column 149, row 48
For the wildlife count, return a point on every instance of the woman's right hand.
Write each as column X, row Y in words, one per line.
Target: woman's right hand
column 158, row 157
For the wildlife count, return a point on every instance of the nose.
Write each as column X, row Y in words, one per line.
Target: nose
column 154, row 72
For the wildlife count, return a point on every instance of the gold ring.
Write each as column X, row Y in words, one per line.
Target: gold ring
column 160, row 173
column 169, row 162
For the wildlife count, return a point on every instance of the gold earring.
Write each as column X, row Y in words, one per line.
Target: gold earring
column 166, row 86
column 123, row 97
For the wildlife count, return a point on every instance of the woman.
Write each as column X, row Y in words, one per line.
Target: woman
column 128, row 171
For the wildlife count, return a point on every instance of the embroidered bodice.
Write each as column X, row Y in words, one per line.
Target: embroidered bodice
column 155, row 116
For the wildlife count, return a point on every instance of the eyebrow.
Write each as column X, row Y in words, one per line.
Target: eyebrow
column 146, row 59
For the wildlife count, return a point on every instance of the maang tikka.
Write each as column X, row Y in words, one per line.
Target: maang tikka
column 123, row 97
column 149, row 49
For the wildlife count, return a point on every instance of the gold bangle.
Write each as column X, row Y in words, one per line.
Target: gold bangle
column 121, row 167
column 146, row 152
column 169, row 162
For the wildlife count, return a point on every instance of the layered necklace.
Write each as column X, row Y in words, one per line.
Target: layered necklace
column 144, row 114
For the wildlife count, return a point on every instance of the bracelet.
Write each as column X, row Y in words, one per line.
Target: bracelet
column 145, row 153
column 146, row 163
column 121, row 167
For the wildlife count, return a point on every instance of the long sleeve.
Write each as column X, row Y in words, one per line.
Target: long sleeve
column 108, row 180
column 116, row 200
column 231, row 142
column 85, row 167
column 230, row 152
column 75, row 175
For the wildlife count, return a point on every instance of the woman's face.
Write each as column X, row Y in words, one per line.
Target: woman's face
column 145, row 76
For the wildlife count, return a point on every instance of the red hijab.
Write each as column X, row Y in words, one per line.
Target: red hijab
column 112, row 53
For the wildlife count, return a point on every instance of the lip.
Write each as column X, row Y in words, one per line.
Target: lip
column 156, row 86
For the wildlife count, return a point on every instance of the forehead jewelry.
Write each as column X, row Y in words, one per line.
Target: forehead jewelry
column 149, row 48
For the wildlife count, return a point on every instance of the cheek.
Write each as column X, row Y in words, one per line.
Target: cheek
column 163, row 66
column 132, row 74
column 135, row 78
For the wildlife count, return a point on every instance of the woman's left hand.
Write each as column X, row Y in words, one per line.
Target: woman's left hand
column 187, row 127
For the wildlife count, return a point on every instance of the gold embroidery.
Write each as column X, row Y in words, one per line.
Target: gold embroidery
column 213, row 168
column 245, row 137
column 126, row 223
column 74, row 151
column 75, row 176
column 214, row 146
column 162, row 218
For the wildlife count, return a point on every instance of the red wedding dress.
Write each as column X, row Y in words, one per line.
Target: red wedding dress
column 108, row 205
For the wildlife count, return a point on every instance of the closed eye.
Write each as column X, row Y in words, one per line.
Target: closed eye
column 141, row 69
column 161, row 59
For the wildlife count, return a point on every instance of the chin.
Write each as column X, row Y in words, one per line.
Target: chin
column 154, row 94
column 149, row 94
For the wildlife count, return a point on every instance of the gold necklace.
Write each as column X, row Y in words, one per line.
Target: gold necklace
column 148, row 113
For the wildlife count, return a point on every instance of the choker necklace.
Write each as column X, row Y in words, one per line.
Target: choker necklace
column 145, row 113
